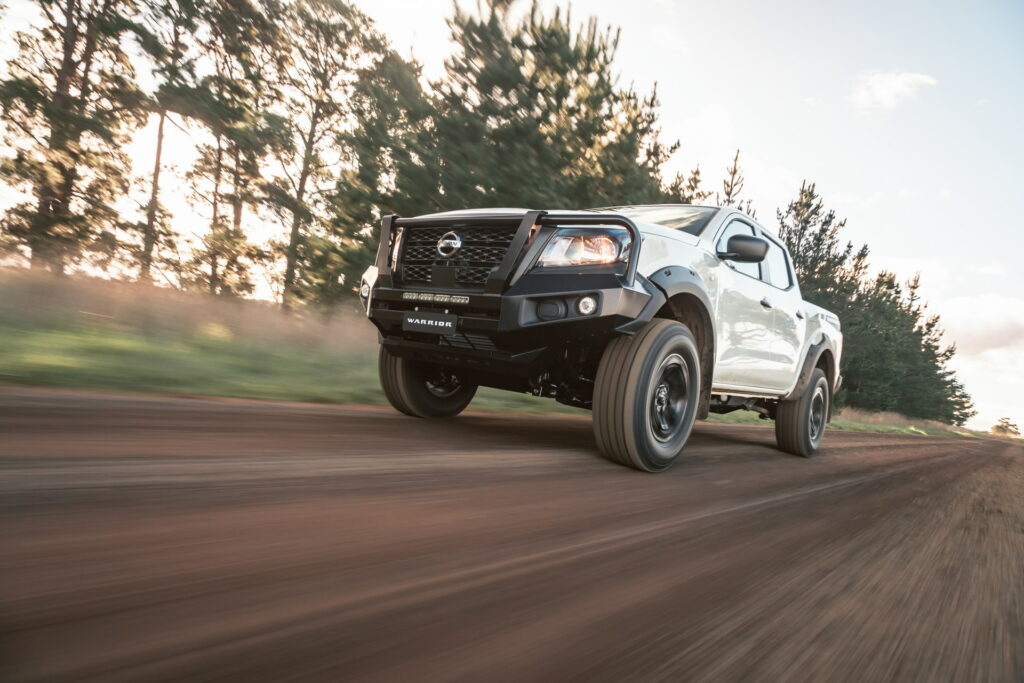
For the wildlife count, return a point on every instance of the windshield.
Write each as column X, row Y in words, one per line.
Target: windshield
column 691, row 219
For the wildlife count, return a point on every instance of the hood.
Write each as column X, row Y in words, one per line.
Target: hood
column 645, row 227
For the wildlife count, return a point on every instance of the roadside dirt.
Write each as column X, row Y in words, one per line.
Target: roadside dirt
column 156, row 538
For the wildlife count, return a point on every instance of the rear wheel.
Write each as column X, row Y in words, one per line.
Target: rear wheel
column 800, row 423
column 422, row 389
column 646, row 395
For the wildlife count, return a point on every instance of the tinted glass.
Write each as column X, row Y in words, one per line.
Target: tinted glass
column 738, row 228
column 778, row 269
column 691, row 219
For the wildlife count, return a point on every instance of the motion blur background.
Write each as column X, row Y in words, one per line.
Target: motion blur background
column 189, row 191
column 242, row 154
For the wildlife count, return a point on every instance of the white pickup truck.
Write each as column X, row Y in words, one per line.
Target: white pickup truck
column 650, row 316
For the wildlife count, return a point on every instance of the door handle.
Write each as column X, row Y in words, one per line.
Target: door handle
column 800, row 315
column 766, row 302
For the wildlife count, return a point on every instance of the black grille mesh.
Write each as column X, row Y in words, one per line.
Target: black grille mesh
column 483, row 249
column 465, row 340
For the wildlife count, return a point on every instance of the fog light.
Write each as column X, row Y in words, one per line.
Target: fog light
column 586, row 305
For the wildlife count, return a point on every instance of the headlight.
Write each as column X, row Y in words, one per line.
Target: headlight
column 396, row 247
column 585, row 246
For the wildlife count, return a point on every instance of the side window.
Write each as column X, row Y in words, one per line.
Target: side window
column 778, row 266
column 739, row 228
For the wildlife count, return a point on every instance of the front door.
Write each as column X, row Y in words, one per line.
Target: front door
column 744, row 343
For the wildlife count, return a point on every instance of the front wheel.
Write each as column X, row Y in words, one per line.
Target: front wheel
column 800, row 423
column 646, row 394
column 422, row 389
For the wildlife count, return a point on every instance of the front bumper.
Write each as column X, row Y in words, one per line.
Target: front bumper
column 519, row 328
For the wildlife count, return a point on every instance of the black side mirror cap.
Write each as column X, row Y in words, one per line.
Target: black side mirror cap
column 744, row 249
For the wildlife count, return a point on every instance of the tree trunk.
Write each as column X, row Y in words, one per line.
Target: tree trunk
column 40, row 250
column 214, row 276
column 149, row 236
column 292, row 255
column 217, row 172
column 236, row 185
column 215, row 226
column 54, row 205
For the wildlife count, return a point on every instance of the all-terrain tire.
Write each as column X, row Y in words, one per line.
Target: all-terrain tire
column 422, row 389
column 646, row 394
column 800, row 422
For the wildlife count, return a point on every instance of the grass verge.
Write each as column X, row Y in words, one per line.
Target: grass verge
column 211, row 363
column 89, row 334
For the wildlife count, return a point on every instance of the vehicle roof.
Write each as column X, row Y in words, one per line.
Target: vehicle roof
column 722, row 212
column 644, row 206
column 518, row 210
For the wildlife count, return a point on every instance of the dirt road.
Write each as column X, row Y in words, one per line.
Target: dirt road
column 153, row 539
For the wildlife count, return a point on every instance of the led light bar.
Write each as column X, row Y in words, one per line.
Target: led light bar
column 435, row 298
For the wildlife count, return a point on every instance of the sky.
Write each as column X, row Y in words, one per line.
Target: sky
column 909, row 116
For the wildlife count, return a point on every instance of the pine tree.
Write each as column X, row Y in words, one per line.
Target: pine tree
column 829, row 270
column 392, row 167
column 329, row 42
column 732, row 187
column 1006, row 427
column 893, row 357
column 687, row 189
column 243, row 46
column 69, row 102
column 167, row 33
column 531, row 114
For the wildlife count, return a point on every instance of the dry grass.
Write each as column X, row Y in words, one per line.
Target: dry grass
column 886, row 418
column 94, row 334
column 41, row 301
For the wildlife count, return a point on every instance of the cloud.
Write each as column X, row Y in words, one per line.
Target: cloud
column 993, row 379
column 884, row 90
column 983, row 323
column 989, row 334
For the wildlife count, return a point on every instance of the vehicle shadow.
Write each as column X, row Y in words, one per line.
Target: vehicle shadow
column 574, row 434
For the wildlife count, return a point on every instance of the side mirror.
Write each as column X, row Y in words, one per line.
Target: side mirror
column 744, row 249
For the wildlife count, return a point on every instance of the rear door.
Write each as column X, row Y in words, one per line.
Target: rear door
column 745, row 326
column 789, row 322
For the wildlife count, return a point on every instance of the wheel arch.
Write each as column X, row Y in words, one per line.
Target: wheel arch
column 820, row 355
column 687, row 301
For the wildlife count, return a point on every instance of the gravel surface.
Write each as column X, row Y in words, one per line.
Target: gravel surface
column 150, row 538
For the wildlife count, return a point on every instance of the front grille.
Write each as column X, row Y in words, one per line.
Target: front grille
column 482, row 250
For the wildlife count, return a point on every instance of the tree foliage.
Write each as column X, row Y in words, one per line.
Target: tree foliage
column 308, row 128
column 732, row 188
column 893, row 354
column 531, row 113
column 166, row 31
column 69, row 102
column 687, row 189
column 332, row 49
column 244, row 46
column 1006, row 427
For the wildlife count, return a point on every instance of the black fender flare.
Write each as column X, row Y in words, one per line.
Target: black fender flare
column 814, row 354
column 678, row 280
column 664, row 284
column 655, row 300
